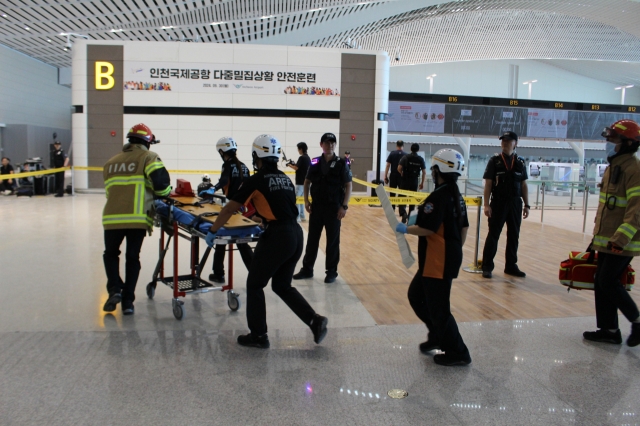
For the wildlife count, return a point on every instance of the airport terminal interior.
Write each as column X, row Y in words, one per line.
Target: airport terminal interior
column 77, row 75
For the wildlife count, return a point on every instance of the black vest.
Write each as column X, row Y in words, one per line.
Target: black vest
column 508, row 179
column 413, row 168
column 327, row 189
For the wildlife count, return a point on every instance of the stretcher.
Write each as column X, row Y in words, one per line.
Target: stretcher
column 190, row 218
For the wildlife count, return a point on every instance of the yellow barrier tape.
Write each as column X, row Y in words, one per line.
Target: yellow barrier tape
column 178, row 172
column 416, row 197
column 37, row 173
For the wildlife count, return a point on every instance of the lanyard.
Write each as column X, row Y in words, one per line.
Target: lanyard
column 513, row 159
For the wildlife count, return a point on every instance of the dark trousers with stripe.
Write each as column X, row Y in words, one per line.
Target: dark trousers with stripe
column 327, row 218
column 409, row 185
column 610, row 294
column 509, row 211
column 112, row 240
column 429, row 298
column 275, row 257
column 246, row 253
column 394, row 182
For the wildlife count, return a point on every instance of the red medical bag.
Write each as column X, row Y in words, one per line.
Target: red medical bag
column 579, row 271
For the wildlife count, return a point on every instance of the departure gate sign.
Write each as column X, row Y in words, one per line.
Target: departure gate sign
column 104, row 75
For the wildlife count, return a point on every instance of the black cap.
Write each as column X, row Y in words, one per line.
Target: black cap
column 509, row 135
column 347, row 152
column 328, row 137
column 56, row 142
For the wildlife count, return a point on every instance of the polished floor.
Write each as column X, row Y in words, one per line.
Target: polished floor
column 64, row 362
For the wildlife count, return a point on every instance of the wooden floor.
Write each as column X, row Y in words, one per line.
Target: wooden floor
column 370, row 264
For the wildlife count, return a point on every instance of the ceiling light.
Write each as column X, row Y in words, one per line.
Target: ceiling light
column 4, row 15
column 167, row 28
column 49, row 40
column 267, row 17
column 27, row 28
column 116, row 31
column 217, row 23
column 315, row 10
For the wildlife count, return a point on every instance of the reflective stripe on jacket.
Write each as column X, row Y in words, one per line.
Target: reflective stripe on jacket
column 130, row 190
column 618, row 217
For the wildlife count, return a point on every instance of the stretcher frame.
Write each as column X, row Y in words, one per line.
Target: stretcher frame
column 193, row 283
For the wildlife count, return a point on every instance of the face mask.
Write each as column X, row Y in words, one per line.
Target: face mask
column 611, row 149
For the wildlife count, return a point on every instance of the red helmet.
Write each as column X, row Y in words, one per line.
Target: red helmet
column 627, row 129
column 141, row 131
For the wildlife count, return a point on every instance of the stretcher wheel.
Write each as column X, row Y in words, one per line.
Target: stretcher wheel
column 233, row 300
column 178, row 310
column 151, row 290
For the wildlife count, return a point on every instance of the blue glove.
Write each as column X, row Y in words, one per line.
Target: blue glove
column 401, row 228
column 209, row 191
column 210, row 237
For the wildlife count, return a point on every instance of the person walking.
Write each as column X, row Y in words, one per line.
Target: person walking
column 131, row 179
column 615, row 235
column 441, row 226
column 279, row 248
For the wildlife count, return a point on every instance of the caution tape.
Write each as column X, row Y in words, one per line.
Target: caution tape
column 413, row 196
column 177, row 172
column 30, row 174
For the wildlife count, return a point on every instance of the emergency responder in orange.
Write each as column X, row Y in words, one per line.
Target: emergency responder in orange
column 616, row 236
column 442, row 226
column 279, row 247
column 131, row 179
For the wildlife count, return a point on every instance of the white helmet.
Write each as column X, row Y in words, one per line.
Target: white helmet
column 448, row 161
column 206, row 178
column 266, row 147
column 226, row 144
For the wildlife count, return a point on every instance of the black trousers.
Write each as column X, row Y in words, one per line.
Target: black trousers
column 6, row 186
column 246, row 253
column 277, row 253
column 429, row 298
column 503, row 211
column 59, row 183
column 610, row 294
column 394, row 182
column 326, row 218
column 112, row 240
column 409, row 185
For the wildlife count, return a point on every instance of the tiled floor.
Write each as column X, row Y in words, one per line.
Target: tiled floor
column 64, row 362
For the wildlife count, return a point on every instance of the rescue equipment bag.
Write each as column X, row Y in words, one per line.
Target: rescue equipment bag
column 579, row 271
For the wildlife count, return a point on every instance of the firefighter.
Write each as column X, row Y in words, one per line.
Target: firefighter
column 506, row 184
column 442, row 226
column 279, row 247
column 615, row 236
column 131, row 179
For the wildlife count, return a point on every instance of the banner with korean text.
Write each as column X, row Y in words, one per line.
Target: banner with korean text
column 231, row 78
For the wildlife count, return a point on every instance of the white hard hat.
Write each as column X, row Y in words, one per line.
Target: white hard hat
column 206, row 178
column 266, row 147
column 226, row 144
column 448, row 161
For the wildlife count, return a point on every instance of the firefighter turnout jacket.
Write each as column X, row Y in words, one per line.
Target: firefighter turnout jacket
column 618, row 217
column 131, row 180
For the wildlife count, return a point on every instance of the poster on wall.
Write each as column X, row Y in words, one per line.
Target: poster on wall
column 416, row 117
column 484, row 120
column 547, row 123
column 589, row 125
column 231, row 78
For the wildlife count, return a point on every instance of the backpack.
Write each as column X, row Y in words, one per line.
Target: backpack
column 414, row 166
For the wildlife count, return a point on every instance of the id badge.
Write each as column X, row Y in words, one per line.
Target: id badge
column 413, row 217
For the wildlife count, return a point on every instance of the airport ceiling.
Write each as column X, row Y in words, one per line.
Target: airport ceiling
column 563, row 33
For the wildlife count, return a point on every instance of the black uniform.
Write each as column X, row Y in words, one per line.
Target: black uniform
column 507, row 174
column 279, row 247
column 394, row 176
column 229, row 182
column 327, row 196
column 4, row 184
column 412, row 164
column 440, row 257
column 58, row 161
